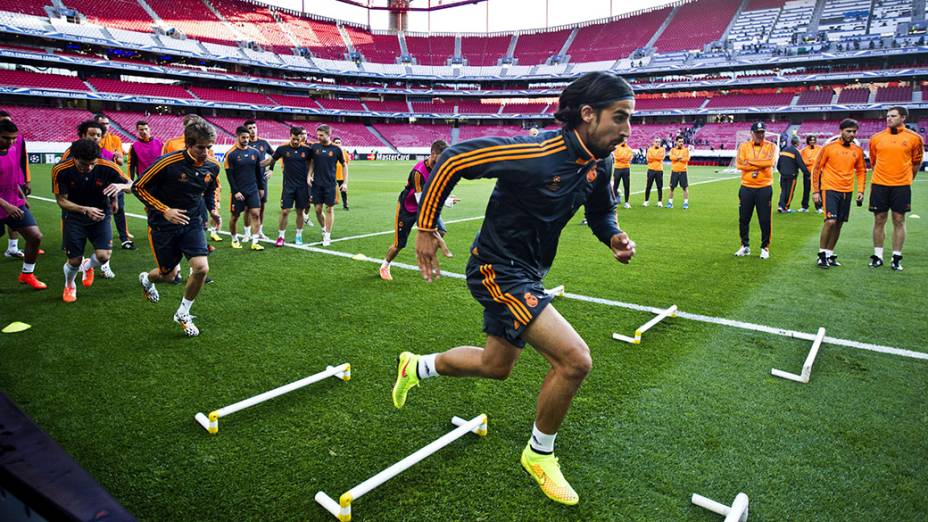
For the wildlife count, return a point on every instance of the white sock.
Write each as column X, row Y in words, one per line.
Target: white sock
column 185, row 305
column 822, row 251
column 261, row 230
column 299, row 232
column 92, row 262
column 247, row 235
column 28, row 268
column 426, row 366
column 254, row 240
column 12, row 245
column 829, row 253
column 542, row 442
column 878, row 252
column 281, row 234
column 384, row 264
column 897, row 253
column 685, row 201
column 145, row 281
column 70, row 274
column 670, row 201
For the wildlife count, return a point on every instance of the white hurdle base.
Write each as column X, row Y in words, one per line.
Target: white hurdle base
column 211, row 423
column 737, row 512
column 342, row 509
column 663, row 314
column 806, row 366
column 557, row 291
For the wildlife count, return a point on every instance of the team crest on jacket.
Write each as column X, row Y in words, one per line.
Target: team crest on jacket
column 331, row 154
column 208, row 178
column 530, row 299
column 303, row 155
column 183, row 177
column 591, row 175
column 554, row 183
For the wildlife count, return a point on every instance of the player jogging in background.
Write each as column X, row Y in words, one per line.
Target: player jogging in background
column 266, row 151
column 895, row 156
column 809, row 155
column 295, row 191
column 407, row 209
column 832, row 185
column 325, row 155
column 679, row 162
column 755, row 161
column 541, row 183
column 245, row 174
column 621, row 172
column 174, row 190
column 789, row 166
column 113, row 143
column 14, row 210
column 18, row 148
column 655, row 156
column 340, row 178
column 84, row 186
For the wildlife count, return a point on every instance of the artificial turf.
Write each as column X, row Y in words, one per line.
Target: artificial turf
column 691, row 409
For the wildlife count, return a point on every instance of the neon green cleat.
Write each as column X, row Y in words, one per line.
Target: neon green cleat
column 547, row 473
column 406, row 377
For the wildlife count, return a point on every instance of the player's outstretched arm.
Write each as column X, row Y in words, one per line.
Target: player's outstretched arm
column 623, row 248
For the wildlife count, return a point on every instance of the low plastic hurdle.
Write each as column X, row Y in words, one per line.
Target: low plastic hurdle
column 211, row 423
column 806, row 366
column 557, row 291
column 342, row 508
column 737, row 512
column 670, row 312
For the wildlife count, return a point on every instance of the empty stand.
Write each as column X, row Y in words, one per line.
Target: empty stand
column 524, row 108
column 642, row 134
column 156, row 90
column 231, row 96
column 858, row 95
column 894, row 94
column 469, row 132
column 321, row 38
column 725, row 135
column 294, row 101
column 844, row 18
column 387, row 106
column 379, row 48
column 342, row 105
column 122, row 14
column 697, row 24
column 616, row 39
column 256, row 23
column 29, row 7
column 753, row 24
column 41, row 80
column 195, row 20
column 352, row 134
column 888, row 14
column 163, row 126
column 432, row 50
column 413, row 135
column 750, row 100
column 33, row 122
column 533, row 49
column 433, row 107
column 669, row 103
column 481, row 51
column 794, row 19
column 822, row 97
column 475, row 106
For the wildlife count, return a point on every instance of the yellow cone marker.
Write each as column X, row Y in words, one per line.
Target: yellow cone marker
column 16, row 327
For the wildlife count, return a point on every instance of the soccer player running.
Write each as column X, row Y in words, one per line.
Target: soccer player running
column 113, row 144
column 541, row 183
column 755, row 161
column 340, row 177
column 267, row 151
column 895, row 156
column 174, row 190
column 621, row 171
column 655, row 157
column 809, row 155
column 407, row 209
column 295, row 192
column 177, row 143
column 789, row 165
column 84, row 186
column 18, row 148
column 679, row 161
column 245, row 174
column 832, row 184
column 325, row 155
column 14, row 210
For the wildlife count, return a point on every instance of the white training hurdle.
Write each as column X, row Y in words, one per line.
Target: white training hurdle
column 806, row 366
column 342, row 508
column 557, row 291
column 670, row 312
column 211, row 423
column 737, row 512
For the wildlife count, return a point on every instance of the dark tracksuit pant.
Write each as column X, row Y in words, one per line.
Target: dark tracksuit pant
column 655, row 177
column 760, row 199
column 622, row 175
column 119, row 218
column 806, row 190
column 787, row 187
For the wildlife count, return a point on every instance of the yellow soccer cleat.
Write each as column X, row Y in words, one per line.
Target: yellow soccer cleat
column 236, row 245
column 214, row 236
column 406, row 377
column 547, row 473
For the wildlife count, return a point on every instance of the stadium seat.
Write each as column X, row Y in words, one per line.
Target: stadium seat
column 696, row 24
column 430, row 50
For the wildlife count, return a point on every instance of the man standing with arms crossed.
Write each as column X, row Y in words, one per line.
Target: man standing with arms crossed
column 655, row 156
column 895, row 156
column 174, row 190
column 809, row 155
column 832, row 185
column 541, row 183
column 679, row 161
column 622, row 163
column 755, row 161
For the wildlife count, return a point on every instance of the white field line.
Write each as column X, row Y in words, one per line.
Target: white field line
column 794, row 334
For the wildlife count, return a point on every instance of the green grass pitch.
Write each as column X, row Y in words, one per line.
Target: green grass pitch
column 692, row 409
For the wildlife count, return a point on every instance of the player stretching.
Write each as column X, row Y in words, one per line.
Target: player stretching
column 84, row 186
column 541, row 183
column 679, row 161
column 174, row 190
column 245, row 175
column 832, row 183
column 295, row 191
column 407, row 208
column 896, row 155
column 14, row 211
column 325, row 155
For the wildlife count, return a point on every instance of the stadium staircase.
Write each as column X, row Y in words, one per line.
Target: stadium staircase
column 404, row 49
column 151, row 12
column 870, row 18
column 90, row 86
column 120, row 129
column 225, row 21
column 284, row 28
column 570, row 39
column 510, row 51
column 457, row 48
column 380, row 137
column 455, row 135
column 347, row 40
column 816, row 17
column 918, row 11
column 662, row 28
